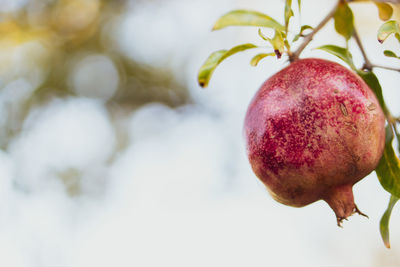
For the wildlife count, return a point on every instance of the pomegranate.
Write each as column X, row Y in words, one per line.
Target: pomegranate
column 312, row 131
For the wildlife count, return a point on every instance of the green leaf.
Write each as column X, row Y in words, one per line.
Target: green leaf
column 288, row 13
column 208, row 67
column 215, row 59
column 278, row 42
column 385, row 11
column 247, row 18
column 388, row 170
column 344, row 21
column 256, row 59
column 297, row 37
column 237, row 49
column 263, row 36
column 372, row 81
column 305, row 27
column 287, row 45
column 388, row 28
column 398, row 139
column 340, row 52
column 299, row 4
column 389, row 53
column 384, row 223
column 300, row 34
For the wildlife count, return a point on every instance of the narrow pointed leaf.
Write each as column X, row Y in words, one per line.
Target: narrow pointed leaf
column 288, row 13
column 278, row 43
column 340, row 52
column 384, row 223
column 247, row 18
column 388, row 28
column 389, row 53
column 263, row 36
column 207, row 69
column 344, row 21
column 385, row 11
column 296, row 37
column 398, row 139
column 256, row 59
column 299, row 3
column 300, row 34
column 305, row 27
column 388, row 170
column 237, row 49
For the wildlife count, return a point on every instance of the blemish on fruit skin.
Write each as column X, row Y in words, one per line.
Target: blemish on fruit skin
column 309, row 127
column 372, row 106
column 343, row 109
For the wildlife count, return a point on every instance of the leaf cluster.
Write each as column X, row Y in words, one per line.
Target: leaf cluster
column 276, row 45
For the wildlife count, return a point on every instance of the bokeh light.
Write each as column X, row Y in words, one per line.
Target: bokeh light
column 111, row 154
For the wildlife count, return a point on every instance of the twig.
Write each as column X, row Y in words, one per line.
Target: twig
column 310, row 36
column 367, row 64
column 384, row 67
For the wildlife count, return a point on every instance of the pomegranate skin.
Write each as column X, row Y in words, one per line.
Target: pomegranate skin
column 312, row 131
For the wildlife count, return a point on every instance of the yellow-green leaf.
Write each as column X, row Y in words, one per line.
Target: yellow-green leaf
column 340, row 52
column 263, row 36
column 388, row 170
column 344, row 21
column 236, row 49
column 207, row 69
column 209, row 66
column 247, row 18
column 385, row 11
column 388, row 28
column 288, row 13
column 389, row 53
column 278, row 43
column 300, row 34
column 384, row 223
column 305, row 27
column 256, row 59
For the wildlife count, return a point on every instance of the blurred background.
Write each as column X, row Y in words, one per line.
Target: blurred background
column 111, row 155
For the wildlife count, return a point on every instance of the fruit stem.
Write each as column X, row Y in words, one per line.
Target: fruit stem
column 341, row 200
column 309, row 37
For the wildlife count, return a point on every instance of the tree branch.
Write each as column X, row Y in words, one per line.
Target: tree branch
column 367, row 63
column 385, row 67
column 308, row 38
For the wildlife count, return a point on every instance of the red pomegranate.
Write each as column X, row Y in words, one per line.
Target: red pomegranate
column 313, row 130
